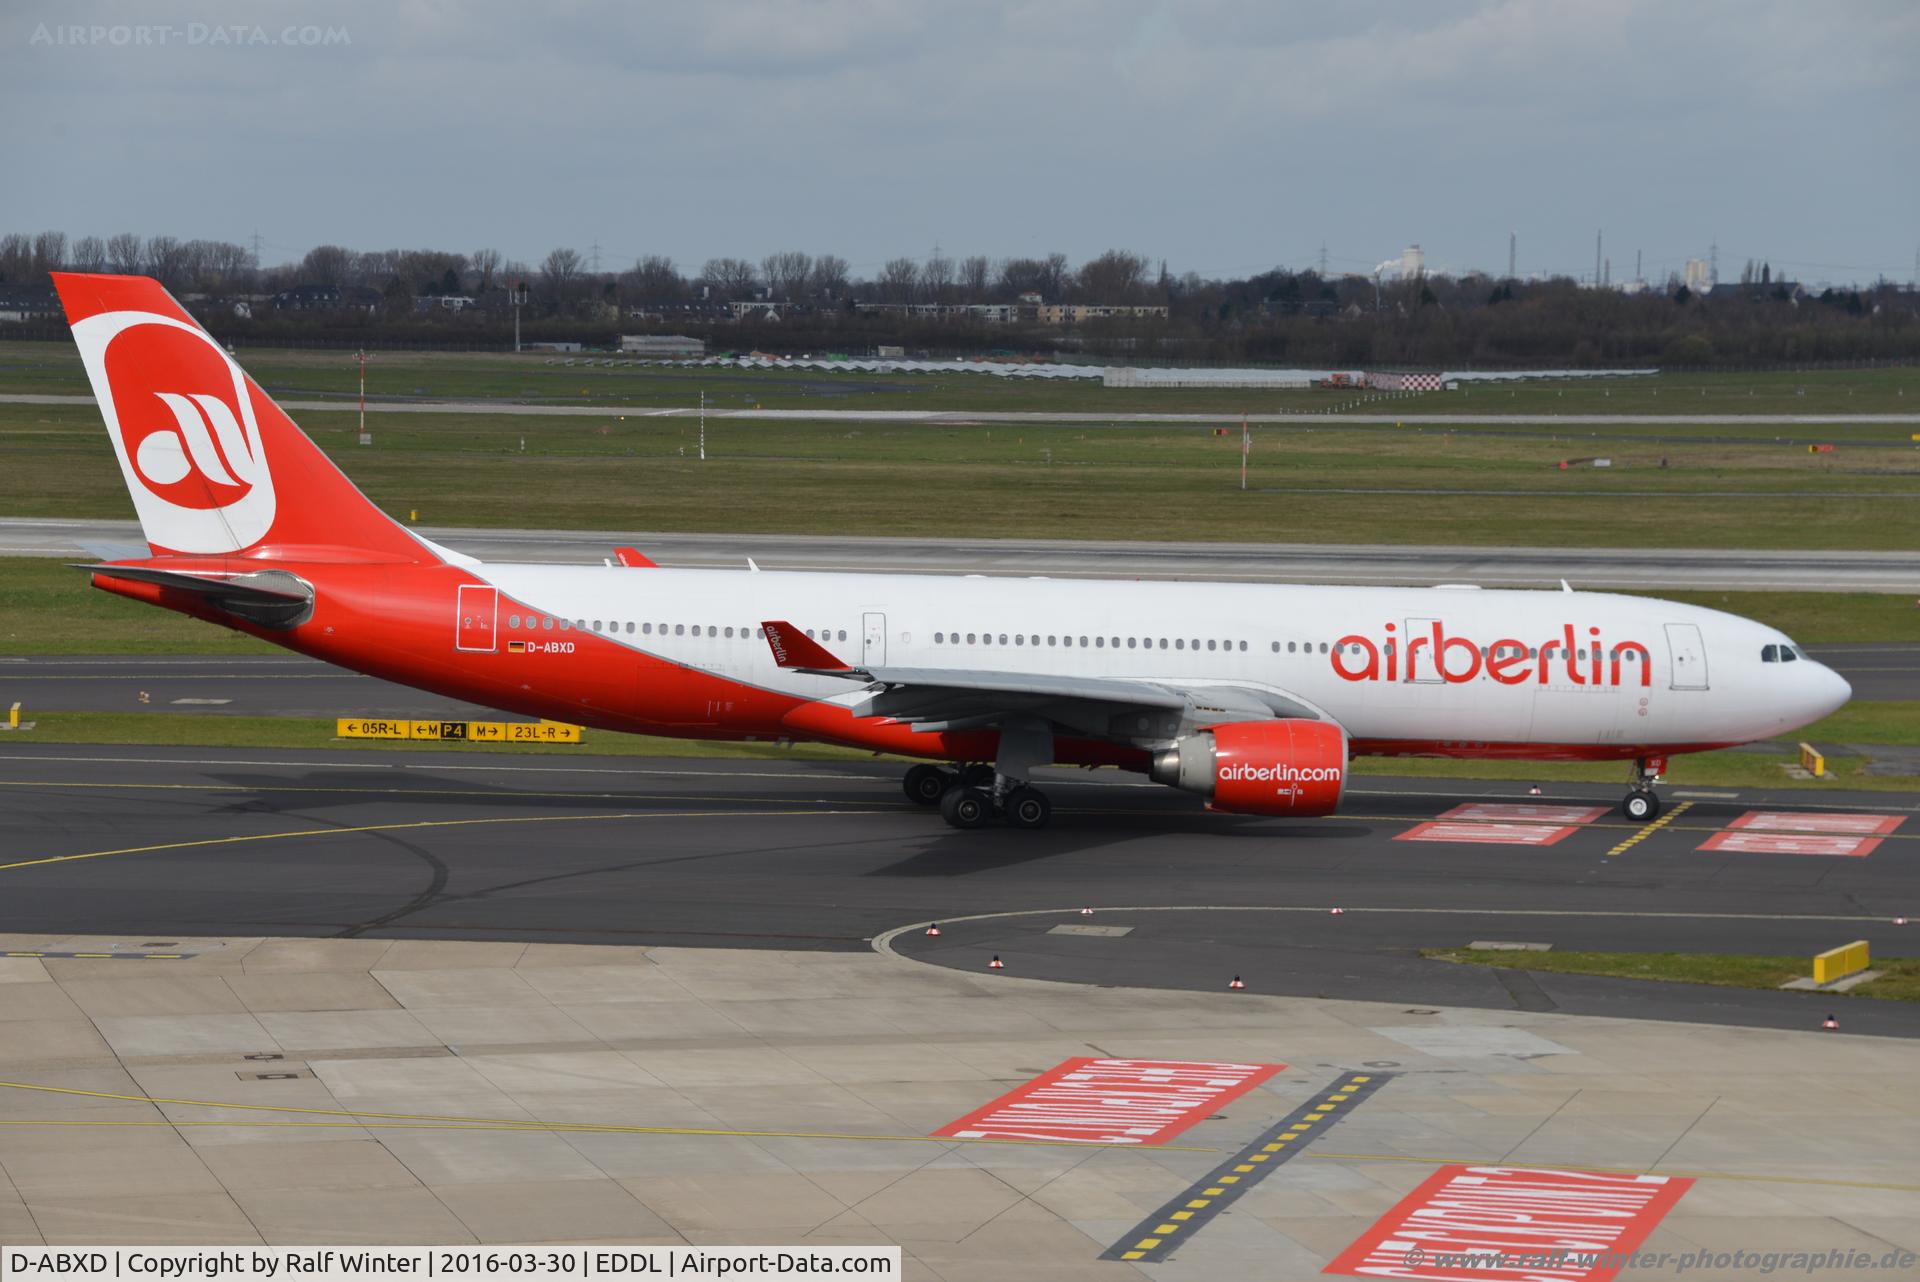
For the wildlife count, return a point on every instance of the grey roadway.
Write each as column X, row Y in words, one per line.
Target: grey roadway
column 151, row 845
column 292, row 686
column 519, row 409
column 1587, row 568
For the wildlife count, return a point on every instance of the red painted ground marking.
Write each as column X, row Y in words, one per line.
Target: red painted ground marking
column 1506, row 812
column 1789, row 843
column 1488, row 834
column 1571, row 1225
column 1111, row 1101
column 1800, row 821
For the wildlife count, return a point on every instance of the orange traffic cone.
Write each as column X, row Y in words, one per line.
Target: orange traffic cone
column 933, row 928
column 1831, row 1024
column 1086, row 912
column 1534, row 791
column 1336, row 911
column 1236, row 983
column 996, row 963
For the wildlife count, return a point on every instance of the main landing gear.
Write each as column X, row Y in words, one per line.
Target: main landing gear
column 976, row 795
column 1643, row 803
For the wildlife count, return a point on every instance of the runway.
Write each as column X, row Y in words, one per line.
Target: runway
column 145, row 845
column 936, row 417
column 1590, row 569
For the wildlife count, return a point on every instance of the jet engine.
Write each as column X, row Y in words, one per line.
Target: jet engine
column 1288, row 767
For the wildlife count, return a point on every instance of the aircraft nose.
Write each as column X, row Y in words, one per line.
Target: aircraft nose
column 1833, row 692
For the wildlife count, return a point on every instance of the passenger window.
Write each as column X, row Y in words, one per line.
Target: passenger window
column 547, row 623
column 1133, row 643
column 679, row 629
column 1163, row 643
column 513, row 620
column 1019, row 638
column 1243, row 645
column 1003, row 638
column 1052, row 640
column 1209, row 643
column 1100, row 643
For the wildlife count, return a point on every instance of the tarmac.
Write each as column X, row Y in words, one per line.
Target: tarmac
column 318, row 997
column 1590, row 569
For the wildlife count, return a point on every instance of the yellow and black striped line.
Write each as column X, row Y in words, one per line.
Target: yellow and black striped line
column 49, row 956
column 1651, row 828
column 1154, row 1238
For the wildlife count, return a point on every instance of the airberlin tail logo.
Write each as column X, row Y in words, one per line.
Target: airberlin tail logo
column 185, row 426
column 1431, row 654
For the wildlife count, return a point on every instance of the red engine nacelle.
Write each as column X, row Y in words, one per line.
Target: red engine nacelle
column 1261, row 767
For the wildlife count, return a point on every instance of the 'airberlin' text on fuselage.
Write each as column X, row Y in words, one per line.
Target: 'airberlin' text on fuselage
column 1435, row 656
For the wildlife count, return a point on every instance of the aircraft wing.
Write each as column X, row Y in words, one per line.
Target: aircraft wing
column 1120, row 708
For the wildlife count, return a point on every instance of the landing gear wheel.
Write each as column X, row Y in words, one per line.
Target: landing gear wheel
column 1641, row 805
column 925, row 785
column 1028, row 808
column 977, row 776
column 965, row 807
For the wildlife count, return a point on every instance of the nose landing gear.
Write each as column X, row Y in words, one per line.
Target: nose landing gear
column 1643, row 803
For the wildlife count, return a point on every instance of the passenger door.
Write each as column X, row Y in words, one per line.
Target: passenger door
column 1689, row 653
column 476, row 615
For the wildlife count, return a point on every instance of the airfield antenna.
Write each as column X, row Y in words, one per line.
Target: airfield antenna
column 257, row 243
column 1323, row 260
column 1636, row 266
column 1606, row 274
column 1513, row 244
column 1596, row 259
column 596, row 257
column 1713, row 264
column 703, row 425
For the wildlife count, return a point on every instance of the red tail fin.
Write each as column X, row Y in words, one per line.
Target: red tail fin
column 214, row 466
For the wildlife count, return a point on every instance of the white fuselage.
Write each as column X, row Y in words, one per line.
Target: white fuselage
column 1642, row 673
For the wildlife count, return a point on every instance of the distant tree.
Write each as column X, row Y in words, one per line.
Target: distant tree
column 787, row 274
column 49, row 251
column 165, row 260
column 90, row 254
column 1766, row 273
column 730, row 278
column 485, row 264
column 936, row 278
column 830, row 276
column 16, row 258
column 1115, row 277
column 1683, row 295
column 560, row 277
column 123, row 253
column 397, row 296
column 898, row 280
column 326, row 265
column 654, row 279
column 976, row 275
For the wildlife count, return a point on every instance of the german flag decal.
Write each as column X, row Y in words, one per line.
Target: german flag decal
column 516, row 647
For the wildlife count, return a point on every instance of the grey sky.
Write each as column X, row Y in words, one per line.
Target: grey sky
column 1224, row 135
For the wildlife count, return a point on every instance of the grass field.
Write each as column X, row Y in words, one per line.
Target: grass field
column 55, row 367
column 1901, row 982
column 1323, row 483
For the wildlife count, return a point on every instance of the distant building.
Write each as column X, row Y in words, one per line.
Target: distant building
column 442, row 303
column 1075, row 313
column 664, row 345
column 990, row 313
column 1413, row 262
column 27, row 307
column 1696, row 278
column 312, row 298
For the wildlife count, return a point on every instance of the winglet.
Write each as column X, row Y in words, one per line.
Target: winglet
column 793, row 648
column 634, row 559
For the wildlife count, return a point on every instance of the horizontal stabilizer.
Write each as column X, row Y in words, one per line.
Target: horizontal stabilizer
column 793, row 648
column 270, row 598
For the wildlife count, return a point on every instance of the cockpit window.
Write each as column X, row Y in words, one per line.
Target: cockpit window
column 1780, row 653
column 1788, row 654
column 1769, row 654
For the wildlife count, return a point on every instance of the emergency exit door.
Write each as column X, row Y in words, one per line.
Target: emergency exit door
column 873, row 642
column 477, row 615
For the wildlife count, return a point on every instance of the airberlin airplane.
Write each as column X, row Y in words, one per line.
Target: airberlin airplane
column 1252, row 696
